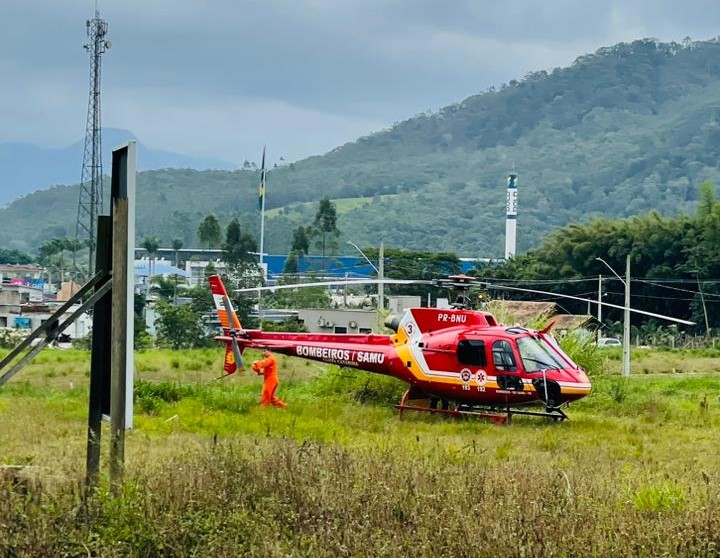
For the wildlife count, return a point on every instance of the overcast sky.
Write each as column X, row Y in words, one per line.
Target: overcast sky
column 221, row 78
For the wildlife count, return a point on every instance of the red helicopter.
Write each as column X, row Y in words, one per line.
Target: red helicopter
column 457, row 360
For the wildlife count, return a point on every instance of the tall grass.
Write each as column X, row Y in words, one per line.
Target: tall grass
column 278, row 497
column 210, row 473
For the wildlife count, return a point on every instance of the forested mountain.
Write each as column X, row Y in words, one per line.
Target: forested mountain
column 622, row 131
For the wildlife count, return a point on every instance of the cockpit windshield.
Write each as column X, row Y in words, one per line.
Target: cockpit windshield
column 537, row 353
column 555, row 345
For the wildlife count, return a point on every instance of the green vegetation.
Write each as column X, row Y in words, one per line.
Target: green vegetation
column 686, row 248
column 620, row 132
column 15, row 257
column 633, row 472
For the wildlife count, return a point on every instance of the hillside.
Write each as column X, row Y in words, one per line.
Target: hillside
column 630, row 128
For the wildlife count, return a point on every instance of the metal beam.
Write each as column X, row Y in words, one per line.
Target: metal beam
column 51, row 321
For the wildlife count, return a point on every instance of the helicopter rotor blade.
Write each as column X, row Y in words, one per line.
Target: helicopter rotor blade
column 459, row 285
column 652, row 314
column 337, row 282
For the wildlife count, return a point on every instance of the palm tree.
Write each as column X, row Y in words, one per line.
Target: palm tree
column 52, row 254
column 177, row 243
column 47, row 250
column 151, row 245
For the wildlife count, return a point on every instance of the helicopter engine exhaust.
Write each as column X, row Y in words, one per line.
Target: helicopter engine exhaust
column 393, row 322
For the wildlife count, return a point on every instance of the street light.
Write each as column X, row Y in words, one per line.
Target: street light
column 364, row 256
column 381, row 290
column 626, row 321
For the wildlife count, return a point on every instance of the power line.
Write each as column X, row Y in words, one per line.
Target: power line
column 679, row 289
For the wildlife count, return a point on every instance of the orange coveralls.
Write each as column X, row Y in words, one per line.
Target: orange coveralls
column 268, row 368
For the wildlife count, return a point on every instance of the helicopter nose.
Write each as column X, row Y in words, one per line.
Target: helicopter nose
column 578, row 386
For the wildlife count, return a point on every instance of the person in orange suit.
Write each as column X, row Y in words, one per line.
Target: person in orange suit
column 268, row 369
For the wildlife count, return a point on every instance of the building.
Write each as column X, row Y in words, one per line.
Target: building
column 354, row 266
column 338, row 321
column 23, row 308
column 398, row 304
column 30, row 275
column 146, row 269
column 532, row 313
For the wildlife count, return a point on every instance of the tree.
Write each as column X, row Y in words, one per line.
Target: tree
column 209, row 231
column 177, row 244
column 11, row 256
column 165, row 288
column 52, row 253
column 299, row 248
column 209, row 270
column 47, row 250
column 151, row 245
column 238, row 247
column 409, row 264
column 243, row 271
column 179, row 327
column 302, row 297
column 326, row 224
column 143, row 339
column 292, row 266
column 301, row 241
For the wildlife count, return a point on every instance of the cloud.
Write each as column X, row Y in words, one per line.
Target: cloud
column 230, row 127
column 306, row 72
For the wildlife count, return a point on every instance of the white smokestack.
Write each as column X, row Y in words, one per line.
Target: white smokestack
column 511, row 215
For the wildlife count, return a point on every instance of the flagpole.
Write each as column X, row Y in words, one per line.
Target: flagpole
column 262, row 233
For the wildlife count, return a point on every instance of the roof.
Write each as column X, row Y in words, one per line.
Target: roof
column 572, row 321
column 523, row 311
column 21, row 268
column 160, row 267
column 526, row 311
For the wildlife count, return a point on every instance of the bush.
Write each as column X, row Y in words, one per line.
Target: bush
column 149, row 396
column 581, row 347
column 10, row 338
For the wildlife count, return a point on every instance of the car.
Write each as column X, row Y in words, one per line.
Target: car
column 609, row 342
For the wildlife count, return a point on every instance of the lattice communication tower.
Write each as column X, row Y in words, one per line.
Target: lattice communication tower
column 90, row 203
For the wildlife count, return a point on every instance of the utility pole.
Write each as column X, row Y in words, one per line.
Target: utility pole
column 626, row 321
column 381, row 277
column 626, row 325
column 702, row 299
column 379, row 269
column 599, row 335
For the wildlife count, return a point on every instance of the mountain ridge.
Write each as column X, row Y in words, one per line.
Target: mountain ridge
column 25, row 166
column 625, row 130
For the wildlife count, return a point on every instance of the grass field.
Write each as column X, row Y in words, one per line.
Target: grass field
column 634, row 472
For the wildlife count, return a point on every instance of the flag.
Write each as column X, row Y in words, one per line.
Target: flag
column 261, row 189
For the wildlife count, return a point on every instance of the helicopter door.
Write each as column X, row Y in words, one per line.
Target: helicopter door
column 471, row 351
column 506, row 366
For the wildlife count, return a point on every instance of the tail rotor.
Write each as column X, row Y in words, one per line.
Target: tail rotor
column 230, row 324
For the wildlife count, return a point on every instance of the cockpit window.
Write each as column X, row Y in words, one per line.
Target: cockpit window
column 472, row 351
column 503, row 357
column 537, row 354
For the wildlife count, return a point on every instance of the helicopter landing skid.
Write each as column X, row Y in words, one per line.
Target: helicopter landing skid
column 495, row 414
column 496, row 418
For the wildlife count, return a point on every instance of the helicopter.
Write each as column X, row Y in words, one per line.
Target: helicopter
column 456, row 360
